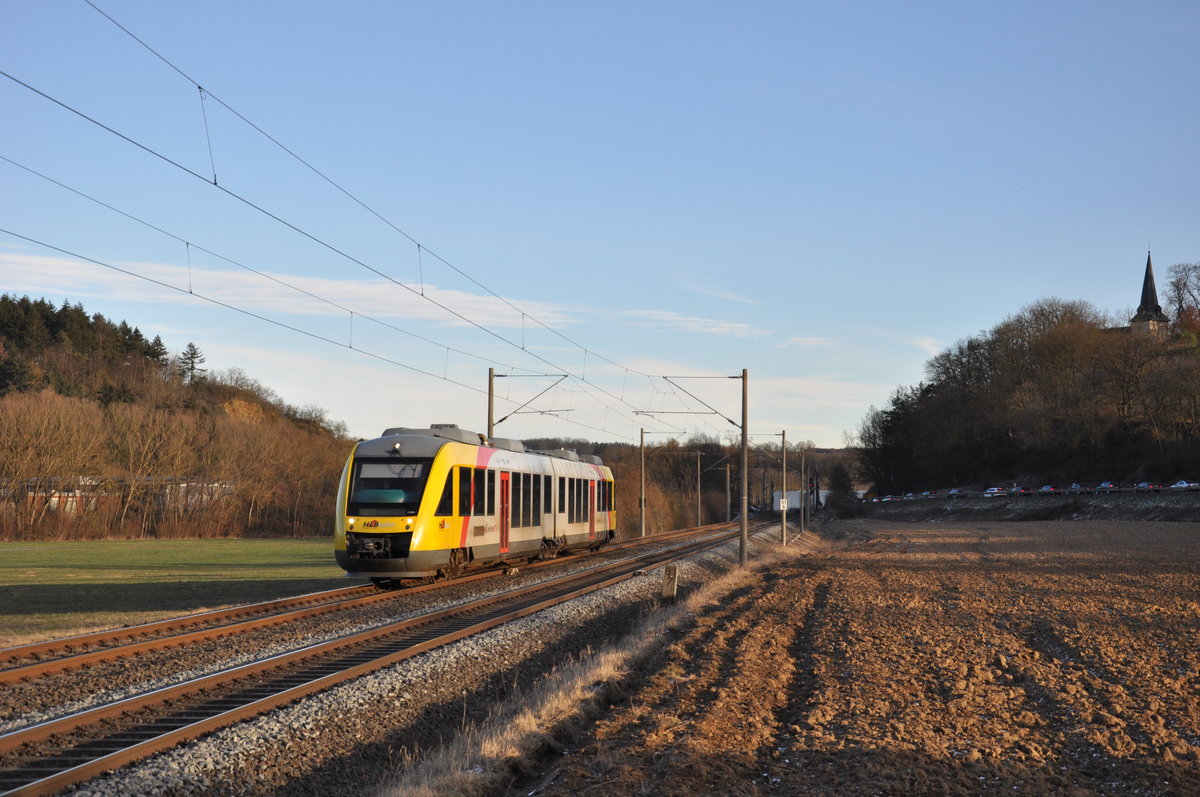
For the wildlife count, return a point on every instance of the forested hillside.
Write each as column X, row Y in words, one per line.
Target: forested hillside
column 1053, row 394
column 104, row 433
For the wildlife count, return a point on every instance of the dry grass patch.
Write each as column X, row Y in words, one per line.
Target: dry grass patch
column 489, row 757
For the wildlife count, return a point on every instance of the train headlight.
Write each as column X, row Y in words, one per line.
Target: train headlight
column 350, row 523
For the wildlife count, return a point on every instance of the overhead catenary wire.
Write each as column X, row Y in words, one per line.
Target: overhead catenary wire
column 341, row 188
column 369, row 209
column 320, row 241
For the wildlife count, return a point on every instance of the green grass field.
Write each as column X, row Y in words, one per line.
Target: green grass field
column 52, row 589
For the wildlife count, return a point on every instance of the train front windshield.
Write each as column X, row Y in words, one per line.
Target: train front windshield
column 388, row 487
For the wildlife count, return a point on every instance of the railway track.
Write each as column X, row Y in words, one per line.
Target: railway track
column 48, row 756
column 39, row 659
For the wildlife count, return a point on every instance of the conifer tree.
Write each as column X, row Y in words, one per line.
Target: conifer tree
column 190, row 362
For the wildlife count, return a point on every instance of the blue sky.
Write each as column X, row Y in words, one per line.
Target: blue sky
column 825, row 194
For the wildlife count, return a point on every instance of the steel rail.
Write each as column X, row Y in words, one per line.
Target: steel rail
column 423, row 633
column 170, row 624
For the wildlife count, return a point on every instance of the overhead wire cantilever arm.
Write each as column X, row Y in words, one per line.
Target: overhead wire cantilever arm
column 668, row 379
column 535, row 398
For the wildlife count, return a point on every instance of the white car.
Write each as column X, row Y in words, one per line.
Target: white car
column 1183, row 484
column 992, row 492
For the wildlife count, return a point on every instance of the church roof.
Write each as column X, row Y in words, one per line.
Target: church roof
column 1149, row 309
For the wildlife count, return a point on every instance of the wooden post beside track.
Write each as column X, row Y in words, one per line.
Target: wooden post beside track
column 670, row 584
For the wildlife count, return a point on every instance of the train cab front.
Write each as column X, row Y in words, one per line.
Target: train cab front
column 378, row 517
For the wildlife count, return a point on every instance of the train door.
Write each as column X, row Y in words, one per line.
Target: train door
column 591, row 509
column 505, row 511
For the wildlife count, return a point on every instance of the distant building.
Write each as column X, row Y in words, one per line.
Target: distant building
column 1149, row 318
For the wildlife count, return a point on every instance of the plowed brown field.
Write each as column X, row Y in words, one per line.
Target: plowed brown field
column 924, row 659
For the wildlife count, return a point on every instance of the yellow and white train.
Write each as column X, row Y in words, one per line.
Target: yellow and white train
column 416, row 503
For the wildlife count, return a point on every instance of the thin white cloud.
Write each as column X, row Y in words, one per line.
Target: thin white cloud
column 809, row 343
column 818, row 391
column 691, row 283
column 671, row 320
column 930, row 346
column 160, row 283
column 691, row 286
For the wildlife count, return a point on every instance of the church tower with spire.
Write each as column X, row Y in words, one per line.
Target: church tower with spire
column 1149, row 318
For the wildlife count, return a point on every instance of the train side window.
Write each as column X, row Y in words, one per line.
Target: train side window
column 562, row 494
column 547, row 494
column 464, row 491
column 445, row 507
column 491, row 492
column 527, row 499
column 536, row 517
column 515, row 500
column 479, row 493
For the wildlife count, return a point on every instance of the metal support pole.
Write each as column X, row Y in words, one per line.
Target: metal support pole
column 745, row 530
column 697, row 488
column 728, row 496
column 642, row 500
column 783, row 492
column 491, row 403
column 803, row 484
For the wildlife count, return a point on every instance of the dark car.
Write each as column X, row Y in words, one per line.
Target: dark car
column 1108, row 487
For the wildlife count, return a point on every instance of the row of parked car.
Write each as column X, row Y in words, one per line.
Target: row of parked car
column 1103, row 487
column 1075, row 488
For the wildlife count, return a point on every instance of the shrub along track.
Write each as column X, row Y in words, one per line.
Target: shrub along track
column 254, row 688
column 1027, row 657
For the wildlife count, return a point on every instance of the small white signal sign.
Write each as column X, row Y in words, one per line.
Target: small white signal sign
column 782, row 504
